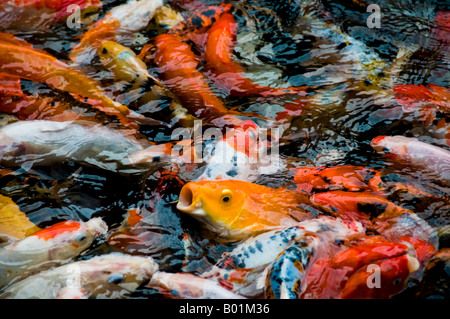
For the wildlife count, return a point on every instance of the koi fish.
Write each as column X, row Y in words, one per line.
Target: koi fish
column 13, row 222
column 123, row 62
column 120, row 24
column 235, row 209
column 50, row 246
column 228, row 74
column 46, row 143
column 429, row 103
column 195, row 27
column 178, row 66
column 254, row 262
column 411, row 151
column 105, row 276
column 126, row 66
column 20, row 59
column 41, row 14
column 242, row 154
column 189, row 286
column 358, row 206
column 30, row 107
column 347, row 177
column 347, row 273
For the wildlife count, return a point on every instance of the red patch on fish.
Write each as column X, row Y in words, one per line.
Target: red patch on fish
column 57, row 229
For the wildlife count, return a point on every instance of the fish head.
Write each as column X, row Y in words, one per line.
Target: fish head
column 62, row 240
column 215, row 203
column 121, row 60
column 393, row 147
column 382, row 279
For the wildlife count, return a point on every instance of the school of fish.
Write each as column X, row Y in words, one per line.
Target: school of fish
column 223, row 150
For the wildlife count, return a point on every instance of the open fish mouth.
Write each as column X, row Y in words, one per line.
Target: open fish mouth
column 189, row 201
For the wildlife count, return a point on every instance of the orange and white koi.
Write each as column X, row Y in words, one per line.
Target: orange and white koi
column 120, row 24
column 50, row 246
column 411, row 151
column 234, row 209
column 229, row 74
column 106, row 276
column 24, row 15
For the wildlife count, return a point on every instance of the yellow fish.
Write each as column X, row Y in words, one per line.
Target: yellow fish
column 13, row 222
column 236, row 209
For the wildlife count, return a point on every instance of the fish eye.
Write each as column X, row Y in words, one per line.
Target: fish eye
column 226, row 196
column 104, row 50
column 397, row 281
column 115, row 279
column 80, row 238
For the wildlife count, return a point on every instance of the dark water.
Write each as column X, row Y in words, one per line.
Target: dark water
column 279, row 47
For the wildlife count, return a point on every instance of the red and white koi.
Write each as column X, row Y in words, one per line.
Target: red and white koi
column 105, row 276
column 50, row 246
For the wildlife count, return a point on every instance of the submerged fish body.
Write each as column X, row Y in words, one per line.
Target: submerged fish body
column 45, row 143
column 105, row 276
column 189, row 286
column 50, row 246
column 234, row 209
column 41, row 14
column 20, row 59
column 226, row 72
column 432, row 159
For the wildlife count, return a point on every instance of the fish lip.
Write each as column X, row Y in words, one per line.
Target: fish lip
column 189, row 202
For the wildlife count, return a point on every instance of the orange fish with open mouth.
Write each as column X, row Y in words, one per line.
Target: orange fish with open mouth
column 236, row 209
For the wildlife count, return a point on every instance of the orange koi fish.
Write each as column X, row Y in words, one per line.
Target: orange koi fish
column 40, row 14
column 355, row 205
column 196, row 26
column 29, row 107
column 120, row 24
column 178, row 67
column 236, row 209
column 347, row 177
column 346, row 274
column 20, row 59
column 56, row 244
column 229, row 74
